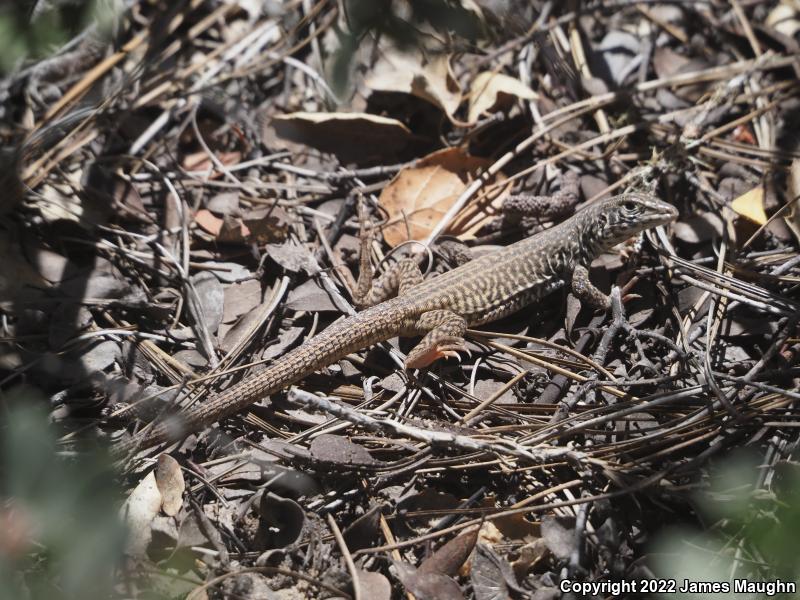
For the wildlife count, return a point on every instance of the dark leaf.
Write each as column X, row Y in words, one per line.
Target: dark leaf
column 365, row 530
column 337, row 449
column 282, row 521
column 491, row 575
column 448, row 559
column 428, row 586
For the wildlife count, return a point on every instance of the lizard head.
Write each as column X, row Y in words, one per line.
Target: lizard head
column 621, row 217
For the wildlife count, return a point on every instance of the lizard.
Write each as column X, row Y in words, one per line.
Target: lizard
column 401, row 302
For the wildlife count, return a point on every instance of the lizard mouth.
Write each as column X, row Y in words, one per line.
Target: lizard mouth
column 661, row 214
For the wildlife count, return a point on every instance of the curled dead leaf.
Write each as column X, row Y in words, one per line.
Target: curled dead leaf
column 352, row 137
column 427, row 585
column 491, row 92
column 281, row 521
column 412, row 72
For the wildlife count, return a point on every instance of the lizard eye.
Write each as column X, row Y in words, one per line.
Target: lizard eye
column 629, row 206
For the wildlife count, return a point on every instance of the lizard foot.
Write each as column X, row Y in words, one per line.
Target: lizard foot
column 423, row 356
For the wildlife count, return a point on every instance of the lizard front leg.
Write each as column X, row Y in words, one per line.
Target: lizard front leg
column 586, row 291
column 396, row 279
column 444, row 338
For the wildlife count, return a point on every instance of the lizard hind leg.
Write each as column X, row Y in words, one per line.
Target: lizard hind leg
column 444, row 338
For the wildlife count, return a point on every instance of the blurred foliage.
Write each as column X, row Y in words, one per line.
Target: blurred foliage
column 752, row 532
column 60, row 534
column 411, row 29
column 34, row 29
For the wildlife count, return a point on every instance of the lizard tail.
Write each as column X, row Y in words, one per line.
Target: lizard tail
column 337, row 341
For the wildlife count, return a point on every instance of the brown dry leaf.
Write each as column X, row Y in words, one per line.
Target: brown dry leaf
column 208, row 222
column 310, row 296
column 448, row 559
column 169, row 479
column 518, row 527
column 352, row 137
column 751, row 205
column 494, row 91
column 265, row 224
column 412, row 72
column 200, row 161
column 418, row 197
column 261, row 225
column 241, row 298
column 793, row 218
column 128, row 203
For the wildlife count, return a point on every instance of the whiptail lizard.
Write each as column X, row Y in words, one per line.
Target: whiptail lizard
column 441, row 308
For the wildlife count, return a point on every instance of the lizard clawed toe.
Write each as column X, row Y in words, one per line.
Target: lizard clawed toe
column 420, row 358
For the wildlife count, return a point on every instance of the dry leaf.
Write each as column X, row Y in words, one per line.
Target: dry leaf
column 448, row 559
column 492, row 575
column 783, row 19
column 419, row 196
column 139, row 510
column 281, row 522
column 169, row 479
column 208, row 222
column 427, row 585
column 411, row 72
column 793, row 218
column 310, row 296
column 241, row 298
column 352, row 137
column 200, row 161
column 494, row 91
column 261, row 225
column 160, row 490
column 337, row 449
column 67, row 200
column 374, row 585
column 560, row 540
column 751, row 205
